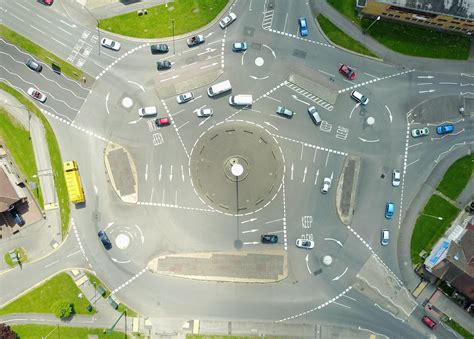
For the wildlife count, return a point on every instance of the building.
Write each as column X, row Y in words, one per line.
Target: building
column 449, row 15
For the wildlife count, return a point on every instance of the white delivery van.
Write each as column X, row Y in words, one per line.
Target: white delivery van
column 219, row 88
column 147, row 111
column 241, row 100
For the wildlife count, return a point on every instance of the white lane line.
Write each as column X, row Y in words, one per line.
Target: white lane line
column 70, row 255
column 193, row 63
column 59, row 42
column 250, row 231
column 249, row 220
column 36, row 28
column 286, row 19
column 137, row 84
column 187, row 122
column 271, row 221
column 331, row 75
column 335, row 302
column 19, row 19
column 42, row 17
column 70, row 25
column 425, row 83
column 269, row 97
column 448, row 83
column 373, row 76
column 51, row 264
column 413, row 162
column 62, row 29
column 269, row 124
column 415, row 144
column 22, row 6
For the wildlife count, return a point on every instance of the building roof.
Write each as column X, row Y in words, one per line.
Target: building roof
column 457, row 8
column 8, row 195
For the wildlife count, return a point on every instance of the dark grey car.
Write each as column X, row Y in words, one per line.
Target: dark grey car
column 164, row 64
column 32, row 64
column 159, row 49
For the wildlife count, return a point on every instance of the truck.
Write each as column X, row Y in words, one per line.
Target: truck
column 73, row 182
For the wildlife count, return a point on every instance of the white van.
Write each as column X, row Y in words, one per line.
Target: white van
column 219, row 88
column 241, row 100
column 147, row 111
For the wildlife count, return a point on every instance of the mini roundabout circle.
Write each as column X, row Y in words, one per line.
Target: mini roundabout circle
column 259, row 59
column 125, row 241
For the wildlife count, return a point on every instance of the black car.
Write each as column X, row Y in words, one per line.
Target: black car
column 269, row 238
column 33, row 65
column 17, row 216
column 105, row 240
column 164, row 64
column 159, row 49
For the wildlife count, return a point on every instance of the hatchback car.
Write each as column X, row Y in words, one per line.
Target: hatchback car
column 239, row 46
column 347, row 71
column 226, row 21
column 32, row 64
column 303, row 243
column 326, row 185
column 195, row 40
column 269, row 238
column 37, row 95
column 428, row 322
column 420, row 132
column 283, row 111
column 105, row 240
column 159, row 49
column 303, row 25
column 389, row 208
column 445, row 129
column 385, row 237
column 396, row 178
column 314, row 115
column 204, row 112
column 110, row 44
column 357, row 96
column 161, row 122
column 185, row 97
column 47, row 2
column 164, row 64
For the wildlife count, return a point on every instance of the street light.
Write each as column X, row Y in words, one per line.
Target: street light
column 433, row 216
column 97, row 25
column 376, row 19
column 172, row 27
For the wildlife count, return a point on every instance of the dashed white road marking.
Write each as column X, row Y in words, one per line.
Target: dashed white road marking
column 374, row 80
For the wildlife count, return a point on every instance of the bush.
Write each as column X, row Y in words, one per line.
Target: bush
column 62, row 309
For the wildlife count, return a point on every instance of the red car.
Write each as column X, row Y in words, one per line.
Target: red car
column 428, row 322
column 347, row 71
column 160, row 122
column 47, row 2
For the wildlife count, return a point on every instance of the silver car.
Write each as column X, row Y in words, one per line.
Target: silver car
column 385, row 237
column 396, row 178
column 185, row 97
column 303, row 243
column 326, row 185
column 226, row 21
column 283, row 111
column 204, row 112
column 420, row 132
column 110, row 44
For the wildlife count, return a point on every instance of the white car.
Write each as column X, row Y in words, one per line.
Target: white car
column 420, row 132
column 359, row 97
column 326, row 185
column 110, row 44
column 37, row 95
column 185, row 97
column 396, row 178
column 227, row 20
column 204, row 112
column 303, row 243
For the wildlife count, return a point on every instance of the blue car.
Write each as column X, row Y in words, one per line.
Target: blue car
column 239, row 46
column 445, row 129
column 389, row 207
column 303, row 26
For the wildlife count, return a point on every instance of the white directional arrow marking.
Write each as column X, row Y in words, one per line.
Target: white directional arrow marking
column 297, row 99
column 317, row 175
column 389, row 113
column 251, row 231
column 159, row 175
column 304, row 173
column 146, row 172
column 340, row 276
column 430, row 91
column 335, row 240
column 307, row 264
column 292, row 168
column 356, row 105
column 425, row 77
column 182, row 173
column 171, row 173
column 250, row 220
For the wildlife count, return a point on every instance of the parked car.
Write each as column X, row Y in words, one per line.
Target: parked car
column 185, row 97
column 110, row 44
column 428, row 322
column 195, row 40
column 283, row 111
column 445, row 129
column 47, row 2
column 389, row 210
column 161, row 122
column 239, row 46
column 357, row 96
column 37, row 95
column 17, row 216
column 420, row 132
column 204, row 112
column 32, row 64
column 147, row 111
column 314, row 115
column 385, row 237
column 326, row 185
column 396, row 177
column 226, row 21
column 105, row 240
column 303, row 243
column 269, row 238
column 303, row 25
column 163, row 64
column 159, row 49
column 112, row 302
column 347, row 71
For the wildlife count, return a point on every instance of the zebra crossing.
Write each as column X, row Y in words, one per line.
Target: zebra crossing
column 267, row 19
column 318, row 101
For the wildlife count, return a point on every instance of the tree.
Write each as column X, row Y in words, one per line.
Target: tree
column 62, row 309
column 6, row 332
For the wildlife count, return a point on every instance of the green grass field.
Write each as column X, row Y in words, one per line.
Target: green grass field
column 55, row 332
column 457, row 177
column 41, row 298
column 340, row 38
column 347, row 8
column 19, row 145
column 54, row 154
column 188, row 15
column 428, row 230
column 458, row 328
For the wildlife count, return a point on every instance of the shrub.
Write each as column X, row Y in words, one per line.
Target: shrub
column 62, row 309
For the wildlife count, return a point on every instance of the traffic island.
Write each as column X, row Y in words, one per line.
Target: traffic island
column 346, row 191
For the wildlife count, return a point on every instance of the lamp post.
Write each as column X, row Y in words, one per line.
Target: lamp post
column 97, row 26
column 432, row 216
column 172, row 28
column 376, row 19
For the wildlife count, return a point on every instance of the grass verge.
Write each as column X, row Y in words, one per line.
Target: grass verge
column 458, row 328
column 42, row 298
column 408, row 39
column 340, row 38
column 428, row 230
column 188, row 15
column 457, row 177
column 94, row 280
column 20, row 252
column 54, row 154
column 199, row 336
column 31, row 331
column 18, row 142
column 39, row 52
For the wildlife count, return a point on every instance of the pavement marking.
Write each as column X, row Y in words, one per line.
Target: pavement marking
column 449, row 150
column 285, row 236
column 73, row 224
column 413, row 162
column 128, row 281
column 318, row 101
column 175, row 128
column 378, row 334
column 341, row 305
column 311, row 145
column 267, row 20
column 143, row 203
column 119, row 59
column 390, row 313
column 375, row 80
column 51, row 264
column 271, row 221
column 74, row 253
column 294, row 36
